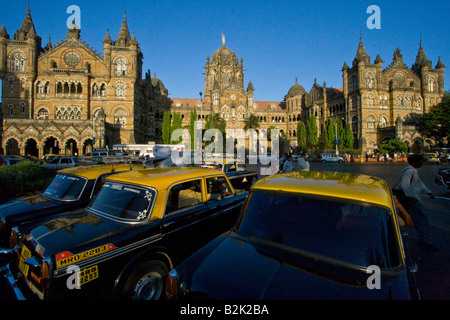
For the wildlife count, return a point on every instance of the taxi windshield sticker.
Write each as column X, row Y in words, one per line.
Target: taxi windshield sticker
column 66, row 258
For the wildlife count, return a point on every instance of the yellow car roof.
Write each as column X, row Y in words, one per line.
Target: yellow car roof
column 331, row 184
column 92, row 172
column 162, row 178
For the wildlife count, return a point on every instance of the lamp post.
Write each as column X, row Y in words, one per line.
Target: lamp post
column 201, row 111
column 211, row 108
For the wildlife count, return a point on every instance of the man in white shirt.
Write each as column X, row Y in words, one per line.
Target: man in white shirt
column 303, row 163
column 413, row 187
column 287, row 166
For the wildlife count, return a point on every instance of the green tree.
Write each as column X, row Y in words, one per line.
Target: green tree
column 177, row 123
column 192, row 127
column 348, row 137
column 340, row 133
column 301, row 135
column 312, row 132
column 252, row 122
column 166, row 128
column 436, row 123
column 392, row 146
column 328, row 134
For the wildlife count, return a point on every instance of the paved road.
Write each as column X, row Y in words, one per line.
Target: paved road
column 433, row 267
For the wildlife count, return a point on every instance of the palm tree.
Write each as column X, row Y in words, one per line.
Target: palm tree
column 251, row 122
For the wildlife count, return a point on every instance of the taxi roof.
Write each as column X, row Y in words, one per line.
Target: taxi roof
column 93, row 171
column 163, row 178
column 342, row 185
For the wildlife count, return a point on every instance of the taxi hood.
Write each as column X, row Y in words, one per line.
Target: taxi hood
column 264, row 273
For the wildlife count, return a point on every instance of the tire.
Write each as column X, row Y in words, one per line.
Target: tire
column 324, row 161
column 146, row 281
column 340, row 161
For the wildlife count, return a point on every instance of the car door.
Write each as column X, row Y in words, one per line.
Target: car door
column 223, row 205
column 184, row 215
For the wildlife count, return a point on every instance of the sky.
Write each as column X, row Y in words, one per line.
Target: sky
column 278, row 41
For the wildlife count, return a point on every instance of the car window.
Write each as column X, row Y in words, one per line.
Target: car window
column 65, row 160
column 123, row 202
column 65, row 187
column 349, row 232
column 54, row 161
column 218, row 188
column 183, row 195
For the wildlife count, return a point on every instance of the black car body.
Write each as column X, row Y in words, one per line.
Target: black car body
column 139, row 226
column 302, row 236
column 72, row 188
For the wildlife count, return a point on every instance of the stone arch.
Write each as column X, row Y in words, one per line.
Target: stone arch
column 50, row 144
column 12, row 145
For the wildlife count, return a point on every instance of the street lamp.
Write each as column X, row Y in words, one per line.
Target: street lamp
column 201, row 111
column 210, row 120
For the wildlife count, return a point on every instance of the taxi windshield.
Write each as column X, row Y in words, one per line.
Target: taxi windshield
column 123, row 202
column 349, row 232
column 65, row 187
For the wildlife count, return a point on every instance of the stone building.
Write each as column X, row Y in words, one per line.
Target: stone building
column 67, row 98
column 381, row 103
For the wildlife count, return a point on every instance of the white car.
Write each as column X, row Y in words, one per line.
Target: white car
column 62, row 162
column 331, row 157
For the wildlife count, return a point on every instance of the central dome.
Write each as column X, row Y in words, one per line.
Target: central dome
column 296, row 90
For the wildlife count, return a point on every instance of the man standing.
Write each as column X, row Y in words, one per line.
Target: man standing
column 413, row 187
column 287, row 166
column 303, row 163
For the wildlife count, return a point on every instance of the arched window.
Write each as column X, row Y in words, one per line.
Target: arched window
column 120, row 89
column 432, row 84
column 121, row 67
column 370, row 99
column 353, row 83
column 370, row 80
column 17, row 62
column 42, row 114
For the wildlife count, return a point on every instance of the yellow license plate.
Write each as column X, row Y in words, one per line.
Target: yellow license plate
column 24, row 254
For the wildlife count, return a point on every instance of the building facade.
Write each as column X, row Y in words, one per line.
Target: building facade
column 67, row 98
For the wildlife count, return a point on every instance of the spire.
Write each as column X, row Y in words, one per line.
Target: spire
column 361, row 54
column 439, row 64
column 250, row 87
column 124, row 34
column 3, row 32
column 27, row 26
column 107, row 38
column 49, row 44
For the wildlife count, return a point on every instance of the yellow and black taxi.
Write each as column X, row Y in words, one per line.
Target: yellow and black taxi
column 303, row 235
column 122, row 245
column 236, row 171
column 71, row 188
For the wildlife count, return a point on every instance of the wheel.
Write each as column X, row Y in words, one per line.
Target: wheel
column 340, row 161
column 146, row 281
column 324, row 161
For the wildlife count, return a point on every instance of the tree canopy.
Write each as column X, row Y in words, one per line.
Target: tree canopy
column 436, row 123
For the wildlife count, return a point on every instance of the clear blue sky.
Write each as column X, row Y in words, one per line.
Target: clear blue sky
column 278, row 40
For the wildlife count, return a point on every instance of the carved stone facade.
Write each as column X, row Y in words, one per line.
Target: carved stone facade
column 63, row 97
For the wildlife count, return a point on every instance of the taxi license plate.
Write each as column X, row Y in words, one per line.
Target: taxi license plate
column 24, row 254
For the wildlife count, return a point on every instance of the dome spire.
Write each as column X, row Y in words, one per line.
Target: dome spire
column 223, row 40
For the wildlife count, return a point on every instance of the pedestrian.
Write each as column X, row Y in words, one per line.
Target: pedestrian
column 303, row 164
column 287, row 166
column 408, row 191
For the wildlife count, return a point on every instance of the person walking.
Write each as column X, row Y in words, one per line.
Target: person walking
column 412, row 187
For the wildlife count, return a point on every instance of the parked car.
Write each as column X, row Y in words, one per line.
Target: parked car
column 235, row 170
column 140, row 225
column 303, row 235
column 48, row 157
column 443, row 177
column 72, row 188
column 10, row 160
column 331, row 157
column 432, row 158
column 61, row 163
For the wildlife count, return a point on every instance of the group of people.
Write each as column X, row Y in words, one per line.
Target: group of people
column 302, row 164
